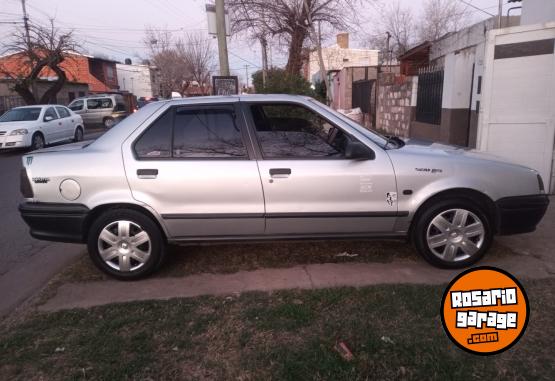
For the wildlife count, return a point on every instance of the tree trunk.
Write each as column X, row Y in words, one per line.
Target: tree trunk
column 22, row 88
column 295, row 61
column 49, row 95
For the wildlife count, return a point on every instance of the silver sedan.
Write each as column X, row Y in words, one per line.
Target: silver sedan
column 268, row 167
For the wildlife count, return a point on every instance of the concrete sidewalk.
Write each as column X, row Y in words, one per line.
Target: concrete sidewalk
column 89, row 294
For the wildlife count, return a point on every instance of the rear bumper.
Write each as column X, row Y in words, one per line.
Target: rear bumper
column 520, row 214
column 55, row 222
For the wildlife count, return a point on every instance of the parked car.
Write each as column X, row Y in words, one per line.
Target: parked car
column 104, row 109
column 267, row 167
column 39, row 125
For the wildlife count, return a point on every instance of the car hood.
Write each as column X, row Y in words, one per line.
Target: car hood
column 10, row 126
column 425, row 147
column 64, row 147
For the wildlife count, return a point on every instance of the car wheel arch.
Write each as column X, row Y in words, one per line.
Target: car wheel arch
column 100, row 209
column 481, row 199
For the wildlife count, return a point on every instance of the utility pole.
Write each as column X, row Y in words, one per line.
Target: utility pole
column 500, row 14
column 387, row 51
column 26, row 23
column 222, row 37
column 247, row 75
column 264, row 45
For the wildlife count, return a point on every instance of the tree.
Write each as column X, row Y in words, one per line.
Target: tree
column 198, row 54
column 44, row 49
column 399, row 22
column 173, row 69
column 279, row 81
column 440, row 17
column 290, row 21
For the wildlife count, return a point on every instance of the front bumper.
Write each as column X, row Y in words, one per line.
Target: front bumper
column 13, row 141
column 520, row 214
column 55, row 222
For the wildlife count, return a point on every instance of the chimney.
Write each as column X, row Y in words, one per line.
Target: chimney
column 343, row 40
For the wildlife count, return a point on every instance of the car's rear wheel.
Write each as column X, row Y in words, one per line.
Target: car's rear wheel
column 108, row 122
column 452, row 233
column 78, row 135
column 126, row 244
column 37, row 141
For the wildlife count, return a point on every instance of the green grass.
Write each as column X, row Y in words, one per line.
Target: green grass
column 394, row 332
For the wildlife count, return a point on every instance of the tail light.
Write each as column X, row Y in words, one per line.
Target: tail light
column 540, row 183
column 25, row 184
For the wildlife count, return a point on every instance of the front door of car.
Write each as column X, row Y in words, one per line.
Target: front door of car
column 312, row 182
column 195, row 167
column 52, row 126
column 67, row 124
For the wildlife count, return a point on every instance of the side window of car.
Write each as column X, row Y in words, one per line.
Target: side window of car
column 106, row 103
column 155, row 142
column 62, row 112
column 93, row 104
column 50, row 113
column 207, row 133
column 76, row 106
column 293, row 131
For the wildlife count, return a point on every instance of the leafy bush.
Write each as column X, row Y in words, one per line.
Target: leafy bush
column 278, row 81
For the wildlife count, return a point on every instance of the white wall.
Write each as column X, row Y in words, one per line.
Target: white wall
column 136, row 79
column 537, row 11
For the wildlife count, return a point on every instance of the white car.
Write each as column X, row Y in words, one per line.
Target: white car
column 39, row 125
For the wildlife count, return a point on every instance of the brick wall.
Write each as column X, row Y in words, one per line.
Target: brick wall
column 394, row 104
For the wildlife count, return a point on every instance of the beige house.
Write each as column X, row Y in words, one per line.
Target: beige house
column 337, row 57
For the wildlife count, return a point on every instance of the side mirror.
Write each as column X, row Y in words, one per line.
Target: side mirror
column 355, row 150
column 48, row 118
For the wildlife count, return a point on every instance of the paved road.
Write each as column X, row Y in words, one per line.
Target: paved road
column 16, row 245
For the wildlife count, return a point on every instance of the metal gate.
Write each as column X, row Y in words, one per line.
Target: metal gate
column 429, row 95
column 362, row 94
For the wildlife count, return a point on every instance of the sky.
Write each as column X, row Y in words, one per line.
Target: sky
column 115, row 28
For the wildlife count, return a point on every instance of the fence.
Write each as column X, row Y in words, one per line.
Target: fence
column 8, row 102
column 430, row 95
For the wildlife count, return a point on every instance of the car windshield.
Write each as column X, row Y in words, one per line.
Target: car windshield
column 21, row 114
column 379, row 139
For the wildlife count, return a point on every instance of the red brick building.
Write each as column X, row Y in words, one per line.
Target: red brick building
column 98, row 73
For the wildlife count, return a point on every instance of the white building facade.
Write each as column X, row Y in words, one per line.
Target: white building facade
column 140, row 80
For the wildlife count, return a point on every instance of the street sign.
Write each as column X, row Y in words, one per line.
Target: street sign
column 211, row 14
column 225, row 85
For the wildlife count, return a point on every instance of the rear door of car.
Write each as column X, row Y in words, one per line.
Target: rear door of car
column 310, row 188
column 195, row 166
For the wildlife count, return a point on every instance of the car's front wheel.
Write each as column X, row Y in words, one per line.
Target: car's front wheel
column 453, row 233
column 126, row 244
column 37, row 141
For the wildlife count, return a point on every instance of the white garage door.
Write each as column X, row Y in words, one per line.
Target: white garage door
column 518, row 110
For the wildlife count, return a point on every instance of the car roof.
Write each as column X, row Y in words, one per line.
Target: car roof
column 35, row 106
column 236, row 98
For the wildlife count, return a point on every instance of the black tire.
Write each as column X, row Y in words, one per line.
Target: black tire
column 433, row 209
column 108, row 122
column 78, row 136
column 157, row 244
column 37, row 141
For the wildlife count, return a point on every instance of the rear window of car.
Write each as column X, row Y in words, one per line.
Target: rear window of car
column 21, row 114
column 99, row 103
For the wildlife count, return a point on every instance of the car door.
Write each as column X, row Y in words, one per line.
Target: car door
column 67, row 123
column 310, row 187
column 52, row 125
column 194, row 166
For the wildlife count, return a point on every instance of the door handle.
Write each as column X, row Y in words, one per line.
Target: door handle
column 147, row 173
column 280, row 172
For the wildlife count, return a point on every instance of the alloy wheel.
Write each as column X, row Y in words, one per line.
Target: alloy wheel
column 38, row 142
column 455, row 235
column 124, row 246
